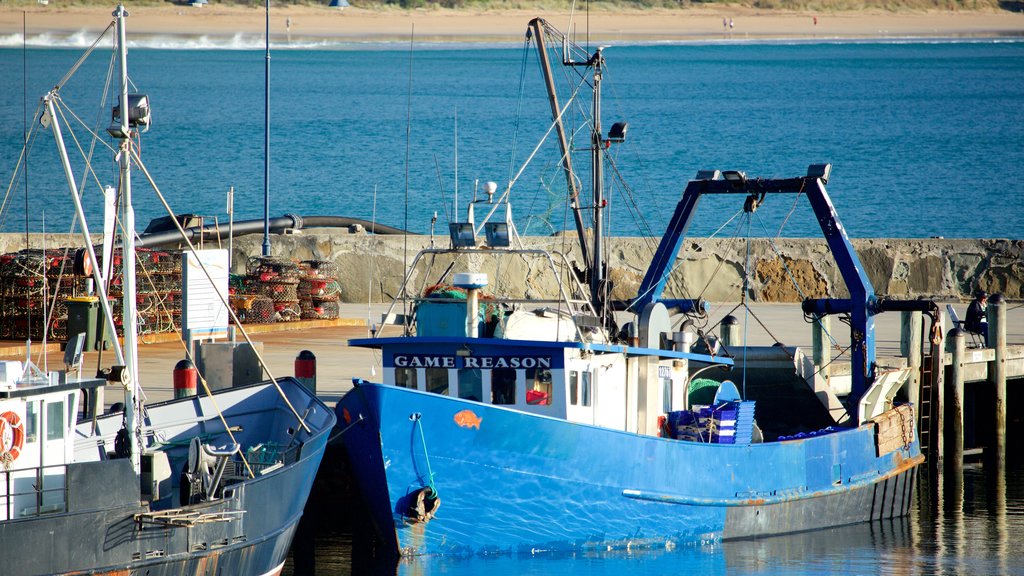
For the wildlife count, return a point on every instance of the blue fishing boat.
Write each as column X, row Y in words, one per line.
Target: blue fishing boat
column 518, row 416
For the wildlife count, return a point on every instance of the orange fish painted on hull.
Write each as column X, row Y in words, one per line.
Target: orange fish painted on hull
column 467, row 419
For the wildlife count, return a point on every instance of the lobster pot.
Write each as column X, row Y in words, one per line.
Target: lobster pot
column 320, row 288
column 266, row 268
column 287, row 311
column 278, row 291
column 253, row 309
column 316, row 309
column 324, row 269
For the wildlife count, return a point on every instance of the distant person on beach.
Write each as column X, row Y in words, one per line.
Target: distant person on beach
column 288, row 24
column 730, row 24
column 725, row 24
column 815, row 20
column 977, row 319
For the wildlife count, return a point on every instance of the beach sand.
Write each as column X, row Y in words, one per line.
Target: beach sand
column 490, row 26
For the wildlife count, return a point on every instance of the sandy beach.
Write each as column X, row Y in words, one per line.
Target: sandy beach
column 489, row 26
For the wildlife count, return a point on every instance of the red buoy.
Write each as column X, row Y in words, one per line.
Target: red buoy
column 305, row 370
column 185, row 378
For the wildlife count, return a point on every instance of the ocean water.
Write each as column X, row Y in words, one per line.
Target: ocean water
column 925, row 137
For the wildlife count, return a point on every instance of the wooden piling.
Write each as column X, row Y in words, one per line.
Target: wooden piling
column 996, row 314
column 956, row 343
column 911, row 328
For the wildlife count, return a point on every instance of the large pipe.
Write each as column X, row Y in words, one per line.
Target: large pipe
column 277, row 225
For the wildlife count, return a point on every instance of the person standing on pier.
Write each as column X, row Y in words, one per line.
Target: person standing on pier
column 977, row 319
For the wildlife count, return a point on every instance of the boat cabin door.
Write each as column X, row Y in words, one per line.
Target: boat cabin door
column 580, row 391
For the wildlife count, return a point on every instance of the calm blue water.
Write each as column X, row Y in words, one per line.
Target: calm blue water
column 966, row 523
column 926, row 138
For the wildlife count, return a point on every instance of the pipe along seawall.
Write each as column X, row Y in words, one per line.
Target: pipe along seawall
column 934, row 268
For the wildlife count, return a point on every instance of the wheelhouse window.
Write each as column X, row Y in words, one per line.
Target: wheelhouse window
column 574, row 387
column 405, row 377
column 32, row 422
column 470, row 384
column 666, row 394
column 437, row 380
column 503, row 386
column 539, row 386
column 55, row 420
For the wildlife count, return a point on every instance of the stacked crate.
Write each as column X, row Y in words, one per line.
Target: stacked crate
column 319, row 290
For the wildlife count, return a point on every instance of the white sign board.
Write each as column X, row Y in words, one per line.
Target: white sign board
column 204, row 314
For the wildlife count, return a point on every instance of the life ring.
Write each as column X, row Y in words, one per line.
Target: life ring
column 12, row 436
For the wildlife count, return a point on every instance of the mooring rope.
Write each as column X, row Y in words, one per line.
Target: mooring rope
column 416, row 417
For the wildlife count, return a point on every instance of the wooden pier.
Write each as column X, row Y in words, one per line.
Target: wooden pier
column 961, row 394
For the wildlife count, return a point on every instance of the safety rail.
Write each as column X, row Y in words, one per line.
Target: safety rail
column 13, row 501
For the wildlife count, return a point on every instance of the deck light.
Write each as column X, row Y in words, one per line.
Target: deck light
column 735, row 178
column 708, row 175
column 618, row 132
column 820, row 171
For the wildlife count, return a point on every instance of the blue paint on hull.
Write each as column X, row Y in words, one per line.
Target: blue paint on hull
column 525, row 483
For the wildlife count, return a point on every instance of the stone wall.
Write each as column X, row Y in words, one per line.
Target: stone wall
column 944, row 269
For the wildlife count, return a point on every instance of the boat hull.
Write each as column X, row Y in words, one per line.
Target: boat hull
column 101, row 534
column 511, row 482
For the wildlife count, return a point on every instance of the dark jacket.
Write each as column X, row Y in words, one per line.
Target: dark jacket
column 976, row 318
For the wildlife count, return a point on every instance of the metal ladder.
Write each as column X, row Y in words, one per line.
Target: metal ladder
column 931, row 379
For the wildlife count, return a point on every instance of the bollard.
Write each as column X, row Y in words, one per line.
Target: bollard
column 305, row 370
column 997, row 368
column 911, row 343
column 730, row 331
column 185, row 378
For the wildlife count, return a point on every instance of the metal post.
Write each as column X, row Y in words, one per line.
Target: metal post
column 956, row 343
column 597, row 141
column 266, row 143
column 129, row 305
column 910, row 348
column 821, row 345
column 997, row 368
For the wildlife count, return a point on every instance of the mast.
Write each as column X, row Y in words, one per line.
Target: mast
column 563, row 142
column 130, row 320
column 597, row 267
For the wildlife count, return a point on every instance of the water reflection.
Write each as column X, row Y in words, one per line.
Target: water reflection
column 964, row 522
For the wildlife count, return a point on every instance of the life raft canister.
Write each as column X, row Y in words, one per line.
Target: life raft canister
column 12, row 436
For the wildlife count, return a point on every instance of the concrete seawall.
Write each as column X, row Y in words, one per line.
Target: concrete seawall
column 944, row 269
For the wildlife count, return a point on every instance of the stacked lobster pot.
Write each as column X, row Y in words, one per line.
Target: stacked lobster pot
column 276, row 279
column 249, row 308
column 158, row 290
column 319, row 290
column 34, row 287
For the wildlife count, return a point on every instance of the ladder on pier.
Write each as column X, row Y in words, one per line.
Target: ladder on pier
column 929, row 423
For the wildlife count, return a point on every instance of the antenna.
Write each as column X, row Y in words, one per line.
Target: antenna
column 408, row 138
column 456, row 151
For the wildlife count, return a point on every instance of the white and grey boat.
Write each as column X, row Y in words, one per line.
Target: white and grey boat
column 208, row 484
